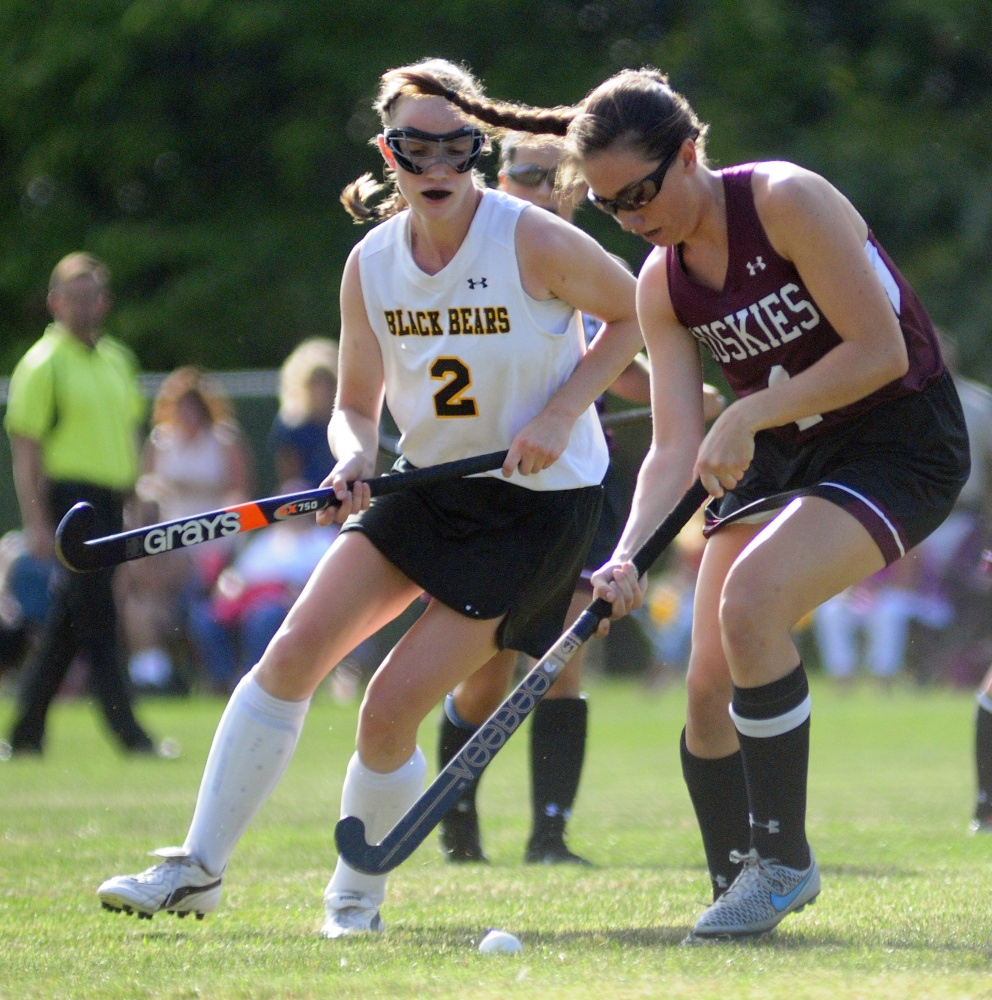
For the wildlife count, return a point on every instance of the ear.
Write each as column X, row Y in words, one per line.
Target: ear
column 688, row 155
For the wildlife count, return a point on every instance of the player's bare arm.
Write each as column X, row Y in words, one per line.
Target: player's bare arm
column 677, row 404
column 353, row 432
column 810, row 223
column 559, row 261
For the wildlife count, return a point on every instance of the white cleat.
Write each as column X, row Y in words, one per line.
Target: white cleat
column 177, row 884
column 350, row 913
column 761, row 895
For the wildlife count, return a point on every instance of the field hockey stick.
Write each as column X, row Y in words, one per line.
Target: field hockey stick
column 418, row 821
column 622, row 417
column 83, row 554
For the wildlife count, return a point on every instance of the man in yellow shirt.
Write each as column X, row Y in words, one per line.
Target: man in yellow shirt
column 73, row 414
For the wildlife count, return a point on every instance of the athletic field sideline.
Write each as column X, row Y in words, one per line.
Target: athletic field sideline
column 905, row 910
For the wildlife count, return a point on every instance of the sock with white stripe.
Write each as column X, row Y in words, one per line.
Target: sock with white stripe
column 983, row 757
column 772, row 722
column 379, row 800
column 252, row 747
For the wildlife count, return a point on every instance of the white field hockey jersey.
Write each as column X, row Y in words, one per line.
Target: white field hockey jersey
column 469, row 356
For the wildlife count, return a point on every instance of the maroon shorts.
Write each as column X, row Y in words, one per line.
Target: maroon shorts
column 898, row 469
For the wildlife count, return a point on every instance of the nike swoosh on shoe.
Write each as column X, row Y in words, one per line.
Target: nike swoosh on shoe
column 783, row 902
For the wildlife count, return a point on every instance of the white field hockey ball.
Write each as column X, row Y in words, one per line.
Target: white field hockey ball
column 496, row 941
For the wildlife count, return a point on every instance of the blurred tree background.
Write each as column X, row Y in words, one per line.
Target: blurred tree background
column 199, row 146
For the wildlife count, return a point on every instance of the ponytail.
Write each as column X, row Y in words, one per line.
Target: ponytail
column 359, row 194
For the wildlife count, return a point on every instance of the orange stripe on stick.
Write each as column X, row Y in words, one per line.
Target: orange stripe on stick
column 251, row 516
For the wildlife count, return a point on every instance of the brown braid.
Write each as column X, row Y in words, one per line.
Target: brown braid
column 499, row 114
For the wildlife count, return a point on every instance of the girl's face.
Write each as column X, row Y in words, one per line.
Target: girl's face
column 192, row 415
column 440, row 190
column 622, row 174
column 321, row 388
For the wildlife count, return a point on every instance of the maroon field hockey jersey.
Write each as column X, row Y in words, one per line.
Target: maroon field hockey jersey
column 764, row 326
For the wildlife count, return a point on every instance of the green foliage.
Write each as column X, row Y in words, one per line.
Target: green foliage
column 200, row 145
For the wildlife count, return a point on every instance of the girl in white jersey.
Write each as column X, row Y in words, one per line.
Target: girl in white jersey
column 845, row 447
column 461, row 311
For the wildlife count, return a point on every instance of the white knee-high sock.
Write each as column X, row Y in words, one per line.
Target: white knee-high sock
column 254, row 743
column 379, row 800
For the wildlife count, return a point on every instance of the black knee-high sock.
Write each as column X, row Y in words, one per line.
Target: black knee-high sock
column 557, row 752
column 773, row 726
column 983, row 757
column 451, row 738
column 719, row 796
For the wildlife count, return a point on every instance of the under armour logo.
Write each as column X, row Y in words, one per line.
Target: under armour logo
column 758, row 265
column 472, row 282
column 771, row 826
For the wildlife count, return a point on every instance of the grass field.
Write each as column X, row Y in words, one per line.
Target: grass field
column 905, row 910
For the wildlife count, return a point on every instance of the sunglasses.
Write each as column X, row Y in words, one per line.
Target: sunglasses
column 530, row 174
column 415, row 151
column 638, row 194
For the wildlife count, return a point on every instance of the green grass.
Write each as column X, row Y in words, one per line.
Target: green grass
column 904, row 911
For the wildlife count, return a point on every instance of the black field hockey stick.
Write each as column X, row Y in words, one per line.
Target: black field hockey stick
column 83, row 554
column 418, row 821
column 620, row 418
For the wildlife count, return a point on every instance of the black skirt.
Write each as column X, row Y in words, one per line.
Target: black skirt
column 490, row 549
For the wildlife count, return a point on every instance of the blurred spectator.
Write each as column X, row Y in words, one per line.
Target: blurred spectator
column 231, row 628
column 24, row 583
column 195, row 460
column 666, row 614
column 880, row 609
column 308, row 384
column 72, row 416
column 955, row 548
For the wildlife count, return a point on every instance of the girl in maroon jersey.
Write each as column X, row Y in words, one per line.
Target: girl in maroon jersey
column 844, row 448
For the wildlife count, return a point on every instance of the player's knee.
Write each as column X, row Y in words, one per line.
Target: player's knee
column 747, row 612
column 707, row 698
column 384, row 717
column 292, row 655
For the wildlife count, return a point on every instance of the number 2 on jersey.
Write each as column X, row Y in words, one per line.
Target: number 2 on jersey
column 448, row 401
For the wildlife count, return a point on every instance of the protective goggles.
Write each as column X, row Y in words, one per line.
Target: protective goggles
column 530, row 174
column 415, row 151
column 638, row 194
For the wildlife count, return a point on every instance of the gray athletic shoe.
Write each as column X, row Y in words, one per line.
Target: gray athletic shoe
column 350, row 913
column 177, row 884
column 761, row 895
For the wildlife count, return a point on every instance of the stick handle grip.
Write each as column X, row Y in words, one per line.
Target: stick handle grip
column 393, row 482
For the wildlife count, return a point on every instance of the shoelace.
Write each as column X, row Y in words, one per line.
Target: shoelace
column 164, row 869
column 751, row 860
